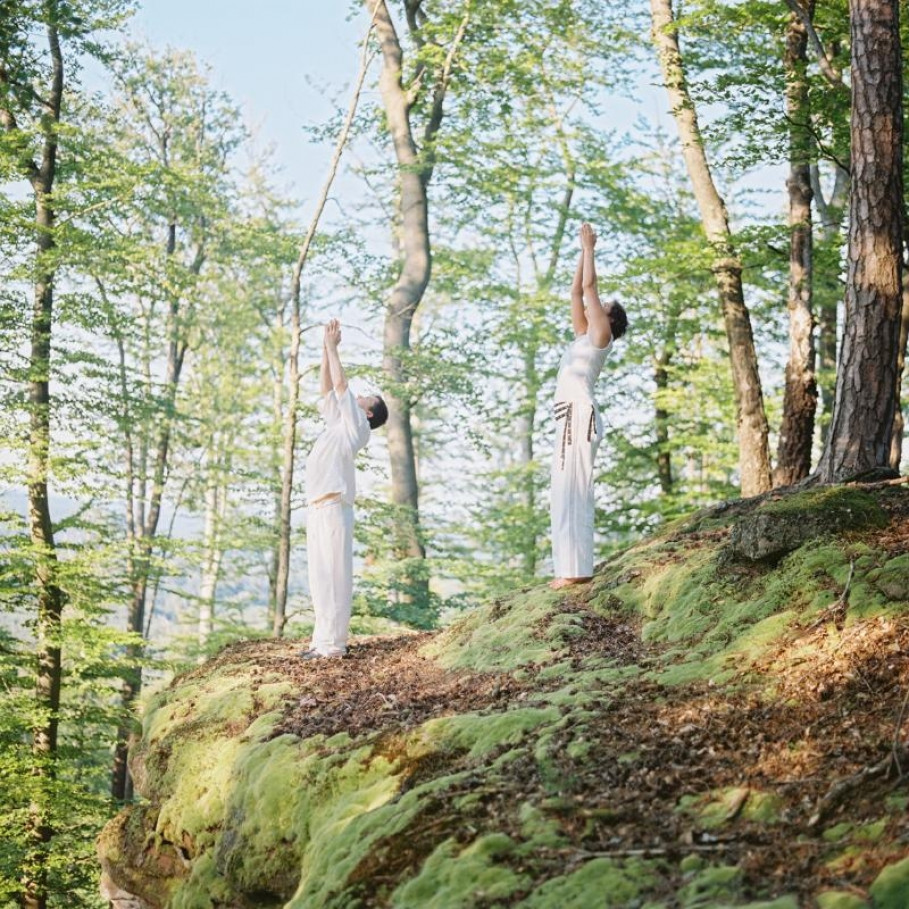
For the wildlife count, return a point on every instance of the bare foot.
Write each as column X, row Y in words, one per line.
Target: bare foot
column 559, row 583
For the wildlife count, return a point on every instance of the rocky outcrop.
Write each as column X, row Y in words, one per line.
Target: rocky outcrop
column 784, row 523
column 686, row 730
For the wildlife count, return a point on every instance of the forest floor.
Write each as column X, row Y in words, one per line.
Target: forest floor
column 826, row 743
column 784, row 776
column 842, row 713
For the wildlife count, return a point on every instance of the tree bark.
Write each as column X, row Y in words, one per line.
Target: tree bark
column 414, row 174
column 661, row 420
column 827, row 290
column 896, row 439
column 754, row 455
column 526, row 426
column 277, row 403
column 860, row 433
column 212, row 547
column 405, row 297
column 49, row 595
column 800, row 395
column 144, row 525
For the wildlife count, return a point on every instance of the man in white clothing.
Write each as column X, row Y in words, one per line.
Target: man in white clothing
column 330, row 492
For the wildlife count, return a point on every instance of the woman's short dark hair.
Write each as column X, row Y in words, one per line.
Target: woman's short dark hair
column 618, row 319
column 379, row 413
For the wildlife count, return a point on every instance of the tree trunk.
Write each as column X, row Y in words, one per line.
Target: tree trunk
column 800, row 395
column 145, row 524
column 896, row 439
column 864, row 408
column 50, row 597
column 213, row 550
column 405, row 297
column 277, row 403
column 754, row 456
column 288, row 461
column 661, row 419
column 827, row 290
column 414, row 174
column 526, row 427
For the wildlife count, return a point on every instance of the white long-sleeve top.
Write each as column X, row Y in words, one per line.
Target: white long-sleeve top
column 330, row 465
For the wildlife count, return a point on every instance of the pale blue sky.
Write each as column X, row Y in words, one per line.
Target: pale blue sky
column 275, row 58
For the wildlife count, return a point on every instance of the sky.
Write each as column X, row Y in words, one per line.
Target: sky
column 282, row 61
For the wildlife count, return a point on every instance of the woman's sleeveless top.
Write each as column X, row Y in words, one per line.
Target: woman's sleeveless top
column 579, row 370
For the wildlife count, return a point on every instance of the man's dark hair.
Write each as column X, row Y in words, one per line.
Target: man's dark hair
column 379, row 413
column 618, row 319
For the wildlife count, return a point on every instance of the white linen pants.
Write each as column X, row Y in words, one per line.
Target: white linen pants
column 329, row 542
column 579, row 430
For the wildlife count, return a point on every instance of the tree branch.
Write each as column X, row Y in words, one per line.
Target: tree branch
column 438, row 96
column 830, row 72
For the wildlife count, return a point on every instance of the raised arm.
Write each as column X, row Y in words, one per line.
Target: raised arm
column 324, row 372
column 578, row 319
column 599, row 328
column 332, row 340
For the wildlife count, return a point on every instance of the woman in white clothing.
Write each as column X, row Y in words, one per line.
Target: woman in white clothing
column 579, row 428
column 330, row 491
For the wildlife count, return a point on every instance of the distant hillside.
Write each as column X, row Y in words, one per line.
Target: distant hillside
column 715, row 720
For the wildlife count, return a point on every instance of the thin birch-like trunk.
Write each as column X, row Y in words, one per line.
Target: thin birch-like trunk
column 288, row 460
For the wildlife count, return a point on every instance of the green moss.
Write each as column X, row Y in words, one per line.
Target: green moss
column 711, row 883
column 572, row 695
column 600, row 882
column 840, row 899
column 717, row 808
column 383, row 816
column 501, row 636
column 837, row 832
column 698, row 666
column 782, row 902
column 677, row 600
column 462, row 878
column 892, row 578
column 705, row 662
column 538, row 830
column 205, row 889
column 556, row 671
column 873, row 832
column 691, row 864
column 479, row 734
column 198, row 782
column 850, row 859
column 890, row 889
column 860, row 507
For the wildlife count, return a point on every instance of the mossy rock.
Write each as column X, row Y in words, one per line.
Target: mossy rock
column 716, row 809
column 516, row 781
column 138, row 860
column 456, row 877
column 711, row 885
column 890, row 889
column 782, row 525
column 601, row 882
column 840, row 899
